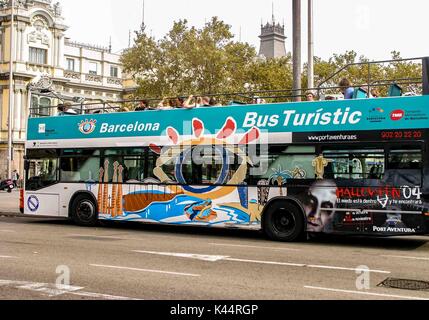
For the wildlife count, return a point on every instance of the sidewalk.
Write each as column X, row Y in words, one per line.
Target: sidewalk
column 9, row 203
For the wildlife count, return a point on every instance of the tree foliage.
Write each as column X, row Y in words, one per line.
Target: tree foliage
column 188, row 60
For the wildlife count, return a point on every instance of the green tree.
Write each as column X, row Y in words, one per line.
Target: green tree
column 189, row 60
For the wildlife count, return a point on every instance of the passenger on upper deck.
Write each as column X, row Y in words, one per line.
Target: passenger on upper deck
column 375, row 93
column 143, row 106
column 214, row 103
column 205, row 102
column 311, row 97
column 346, row 89
column 165, row 104
column 64, row 109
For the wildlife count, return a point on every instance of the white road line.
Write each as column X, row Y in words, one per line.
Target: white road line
column 94, row 236
column 146, row 270
column 101, row 296
column 366, row 293
column 52, row 290
column 407, row 257
column 252, row 247
column 347, row 269
column 306, row 265
column 202, row 257
column 8, row 257
column 209, row 258
column 8, row 231
column 268, row 262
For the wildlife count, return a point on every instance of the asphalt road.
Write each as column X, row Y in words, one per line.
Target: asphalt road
column 133, row 261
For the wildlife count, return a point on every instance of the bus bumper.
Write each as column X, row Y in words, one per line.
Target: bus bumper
column 21, row 201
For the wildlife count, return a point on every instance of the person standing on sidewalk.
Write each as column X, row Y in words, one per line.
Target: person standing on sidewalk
column 15, row 178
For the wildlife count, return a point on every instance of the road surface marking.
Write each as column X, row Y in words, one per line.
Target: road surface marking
column 101, row 296
column 366, row 293
column 145, row 270
column 94, row 236
column 227, row 258
column 268, row 262
column 8, row 257
column 52, row 290
column 407, row 257
column 201, row 257
column 348, row 269
column 306, row 265
column 252, row 247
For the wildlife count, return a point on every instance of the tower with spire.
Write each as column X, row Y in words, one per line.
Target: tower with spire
column 273, row 39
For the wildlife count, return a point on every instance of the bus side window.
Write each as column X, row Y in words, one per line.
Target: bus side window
column 402, row 159
column 355, row 164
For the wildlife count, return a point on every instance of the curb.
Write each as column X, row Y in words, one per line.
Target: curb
column 11, row 214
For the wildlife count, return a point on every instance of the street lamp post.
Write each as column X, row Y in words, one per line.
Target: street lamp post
column 296, row 9
column 11, row 91
column 310, row 45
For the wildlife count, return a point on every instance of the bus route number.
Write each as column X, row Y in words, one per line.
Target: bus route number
column 393, row 135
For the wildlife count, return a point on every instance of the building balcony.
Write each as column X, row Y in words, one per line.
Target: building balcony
column 93, row 78
column 39, row 68
column 72, row 75
column 114, row 81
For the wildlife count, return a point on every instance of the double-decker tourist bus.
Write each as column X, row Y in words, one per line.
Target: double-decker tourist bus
column 357, row 167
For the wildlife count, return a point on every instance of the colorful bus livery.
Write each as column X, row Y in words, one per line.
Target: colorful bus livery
column 349, row 167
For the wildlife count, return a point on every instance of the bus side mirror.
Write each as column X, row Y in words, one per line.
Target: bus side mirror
column 26, row 165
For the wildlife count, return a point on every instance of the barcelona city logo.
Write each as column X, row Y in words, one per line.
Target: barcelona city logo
column 87, row 126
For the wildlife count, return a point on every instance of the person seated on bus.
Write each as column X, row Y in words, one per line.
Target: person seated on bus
column 205, row 102
column 143, row 106
column 165, row 104
column 375, row 93
column 346, row 89
column 311, row 97
column 187, row 104
column 65, row 109
column 214, row 103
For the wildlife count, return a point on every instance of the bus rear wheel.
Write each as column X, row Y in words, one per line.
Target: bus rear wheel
column 284, row 221
column 84, row 211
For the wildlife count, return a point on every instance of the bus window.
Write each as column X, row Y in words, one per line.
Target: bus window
column 355, row 164
column 284, row 163
column 42, row 173
column 131, row 160
column 79, row 169
column 405, row 159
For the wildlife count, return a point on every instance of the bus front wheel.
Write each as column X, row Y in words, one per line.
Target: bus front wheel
column 84, row 211
column 283, row 221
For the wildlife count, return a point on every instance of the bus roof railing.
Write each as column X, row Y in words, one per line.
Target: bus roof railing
column 249, row 97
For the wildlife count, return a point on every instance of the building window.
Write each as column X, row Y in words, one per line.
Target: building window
column 38, row 56
column 70, row 64
column 93, row 68
column 114, row 72
column 40, row 106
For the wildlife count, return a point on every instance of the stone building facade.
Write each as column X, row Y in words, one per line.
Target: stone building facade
column 41, row 48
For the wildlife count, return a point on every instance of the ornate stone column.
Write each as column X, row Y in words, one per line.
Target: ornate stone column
column 3, row 39
column 60, row 49
column 21, row 28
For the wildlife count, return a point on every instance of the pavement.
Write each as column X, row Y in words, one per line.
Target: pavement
column 51, row 259
column 9, row 203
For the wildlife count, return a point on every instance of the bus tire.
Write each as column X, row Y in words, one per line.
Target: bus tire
column 84, row 211
column 284, row 221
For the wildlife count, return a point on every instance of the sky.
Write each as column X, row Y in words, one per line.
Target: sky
column 372, row 28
